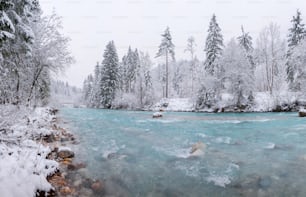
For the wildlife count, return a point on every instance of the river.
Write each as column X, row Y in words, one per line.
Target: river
column 246, row 154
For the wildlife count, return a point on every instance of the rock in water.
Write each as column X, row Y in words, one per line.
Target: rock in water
column 65, row 190
column 65, row 153
column 97, row 186
column 302, row 113
column 75, row 166
column 157, row 115
column 198, row 149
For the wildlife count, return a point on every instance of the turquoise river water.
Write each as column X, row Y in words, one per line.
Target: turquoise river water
column 246, row 154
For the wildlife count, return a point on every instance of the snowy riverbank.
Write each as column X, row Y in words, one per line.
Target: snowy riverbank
column 263, row 102
column 24, row 166
column 35, row 156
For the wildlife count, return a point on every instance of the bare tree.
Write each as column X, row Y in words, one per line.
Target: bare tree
column 270, row 54
column 191, row 49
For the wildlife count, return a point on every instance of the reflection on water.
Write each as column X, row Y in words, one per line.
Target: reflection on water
column 258, row 154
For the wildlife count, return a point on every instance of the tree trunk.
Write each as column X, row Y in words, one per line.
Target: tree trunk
column 36, row 76
column 167, row 74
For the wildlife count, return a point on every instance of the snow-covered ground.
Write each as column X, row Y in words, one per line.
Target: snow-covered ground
column 23, row 163
column 174, row 104
column 263, row 102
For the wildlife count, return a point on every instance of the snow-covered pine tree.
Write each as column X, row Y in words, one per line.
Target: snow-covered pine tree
column 135, row 69
column 212, row 81
column 298, row 56
column 95, row 95
column 296, row 33
column 16, row 51
column 7, row 28
column 88, row 89
column 245, row 41
column 213, row 47
column 130, row 69
column 166, row 49
column 109, row 76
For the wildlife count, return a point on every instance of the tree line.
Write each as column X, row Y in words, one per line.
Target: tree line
column 32, row 48
column 240, row 69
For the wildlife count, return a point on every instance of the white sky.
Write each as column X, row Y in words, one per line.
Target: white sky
column 92, row 23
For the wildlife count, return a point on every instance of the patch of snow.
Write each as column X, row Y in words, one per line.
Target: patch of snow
column 157, row 114
column 303, row 110
column 23, row 163
column 174, row 104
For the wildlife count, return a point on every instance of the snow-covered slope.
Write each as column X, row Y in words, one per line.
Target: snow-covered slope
column 23, row 163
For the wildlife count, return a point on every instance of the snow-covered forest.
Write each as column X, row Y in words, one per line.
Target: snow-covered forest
column 63, row 94
column 32, row 49
column 266, row 73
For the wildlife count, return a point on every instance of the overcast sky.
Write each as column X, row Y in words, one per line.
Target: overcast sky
column 92, row 23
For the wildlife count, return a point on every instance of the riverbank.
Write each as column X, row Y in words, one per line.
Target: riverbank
column 262, row 103
column 266, row 104
column 36, row 158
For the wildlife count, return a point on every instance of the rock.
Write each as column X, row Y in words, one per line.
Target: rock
column 64, row 139
column 53, row 111
column 112, row 156
column 65, row 190
column 50, row 193
column 49, row 138
column 97, row 186
column 80, row 165
column 157, row 115
column 302, row 113
column 278, row 108
column 57, row 180
column 68, row 159
column 76, row 166
column 198, row 149
column 65, row 154
column 65, row 162
column 165, row 105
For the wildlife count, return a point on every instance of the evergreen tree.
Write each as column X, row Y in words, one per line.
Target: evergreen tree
column 88, row 88
column 296, row 34
column 213, row 47
column 245, row 41
column 7, row 28
column 95, row 94
column 297, row 31
column 109, row 76
column 166, row 49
